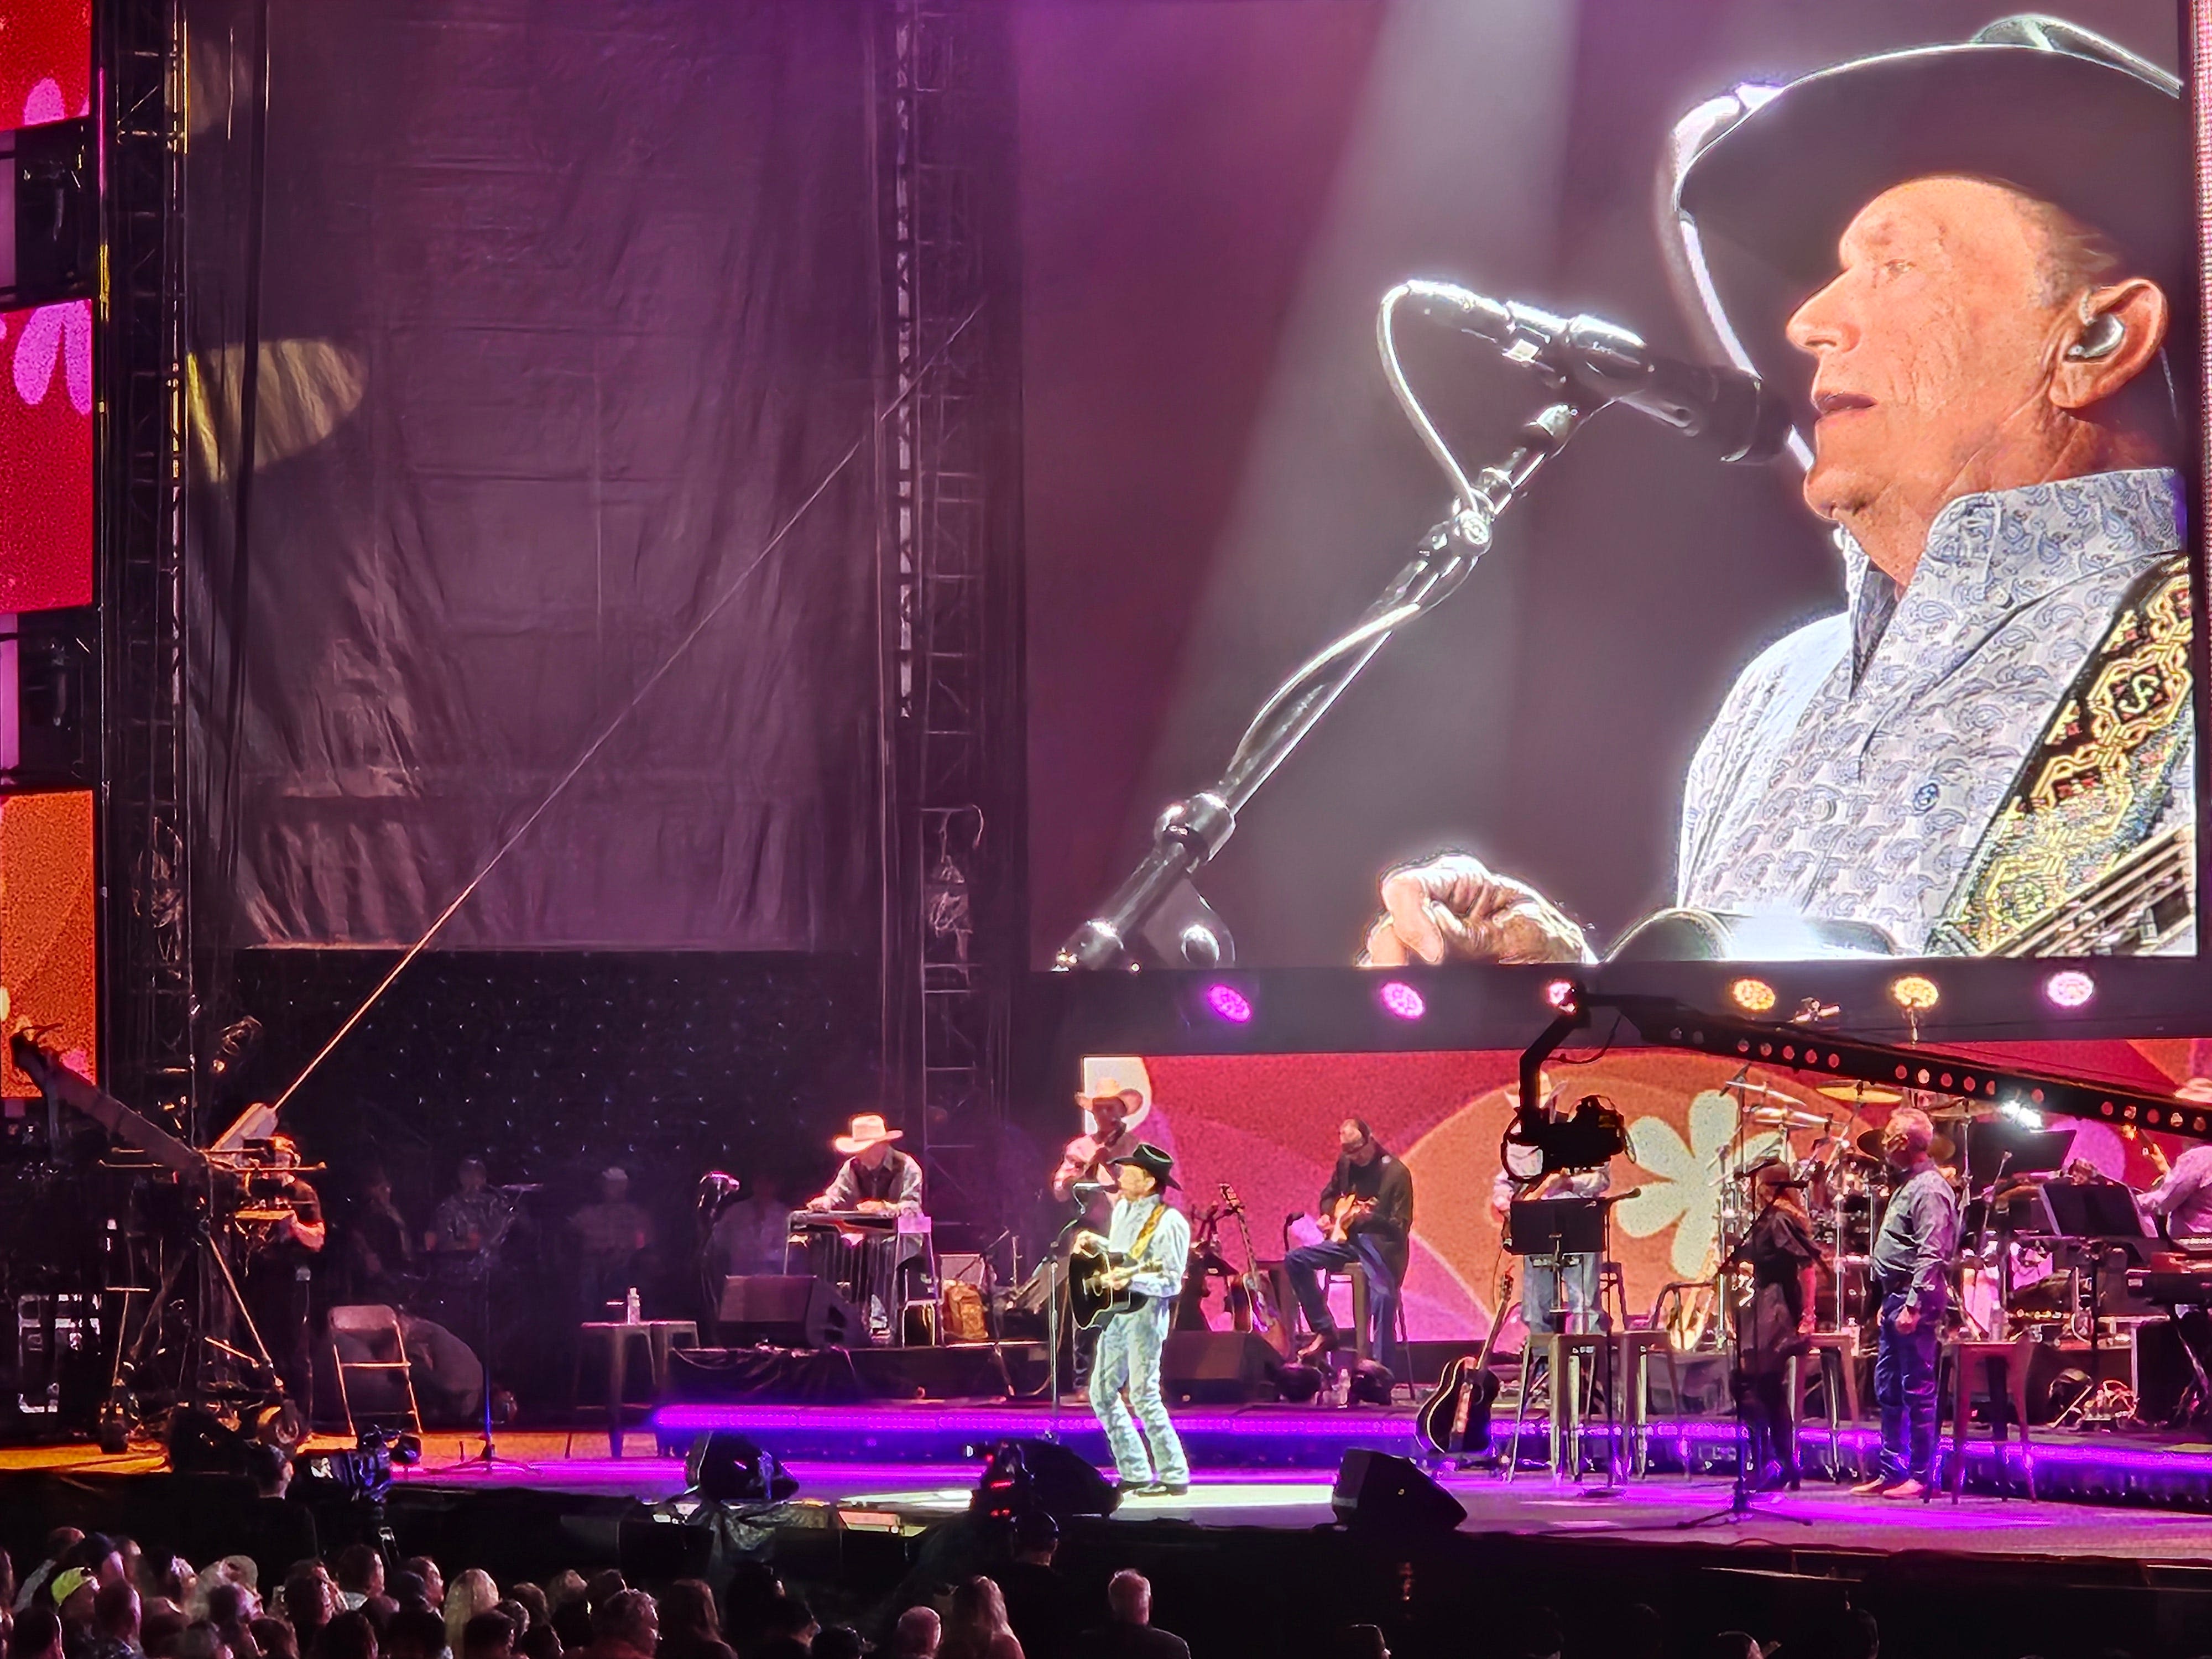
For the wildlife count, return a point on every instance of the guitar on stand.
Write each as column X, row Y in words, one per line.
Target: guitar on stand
column 1454, row 1421
column 1256, row 1311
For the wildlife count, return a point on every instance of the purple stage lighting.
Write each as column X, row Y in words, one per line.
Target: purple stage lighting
column 1229, row 1003
column 1403, row 1000
column 2069, row 988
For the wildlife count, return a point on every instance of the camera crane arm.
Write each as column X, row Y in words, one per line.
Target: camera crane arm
column 134, row 1129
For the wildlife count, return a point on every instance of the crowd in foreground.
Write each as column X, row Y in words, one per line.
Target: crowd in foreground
column 98, row 1596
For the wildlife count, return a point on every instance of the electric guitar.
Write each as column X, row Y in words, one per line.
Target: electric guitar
column 1348, row 1209
column 1454, row 1420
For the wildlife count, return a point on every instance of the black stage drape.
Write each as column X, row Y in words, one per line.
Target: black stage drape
column 566, row 306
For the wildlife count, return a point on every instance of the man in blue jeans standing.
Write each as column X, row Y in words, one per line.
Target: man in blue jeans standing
column 1911, row 1264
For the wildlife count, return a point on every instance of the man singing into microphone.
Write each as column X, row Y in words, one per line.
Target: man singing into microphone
column 1989, row 249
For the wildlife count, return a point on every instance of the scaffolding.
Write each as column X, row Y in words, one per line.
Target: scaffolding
column 144, row 830
column 947, row 544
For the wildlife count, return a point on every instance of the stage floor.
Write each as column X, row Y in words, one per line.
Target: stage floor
column 1658, row 1510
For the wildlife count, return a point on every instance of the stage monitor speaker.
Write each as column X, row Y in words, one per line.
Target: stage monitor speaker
column 1039, row 1475
column 1377, row 1492
column 787, row 1311
column 200, row 1443
column 658, row 1552
column 1218, row 1367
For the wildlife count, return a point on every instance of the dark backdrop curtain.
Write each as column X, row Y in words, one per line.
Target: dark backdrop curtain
column 567, row 305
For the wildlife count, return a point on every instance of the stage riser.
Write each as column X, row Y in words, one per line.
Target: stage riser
column 2082, row 1469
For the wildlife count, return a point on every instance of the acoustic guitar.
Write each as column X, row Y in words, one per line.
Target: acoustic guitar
column 1099, row 1284
column 1454, row 1420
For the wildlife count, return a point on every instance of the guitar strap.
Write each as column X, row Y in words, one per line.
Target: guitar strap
column 1145, row 1233
column 2087, row 794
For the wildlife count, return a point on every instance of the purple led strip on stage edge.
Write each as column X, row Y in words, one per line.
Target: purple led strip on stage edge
column 900, row 1423
column 987, row 1425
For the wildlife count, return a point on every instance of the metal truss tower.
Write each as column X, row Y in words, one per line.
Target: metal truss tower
column 948, row 546
column 145, row 907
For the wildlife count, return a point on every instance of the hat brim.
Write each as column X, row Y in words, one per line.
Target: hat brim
column 1773, row 194
column 850, row 1147
column 1165, row 1178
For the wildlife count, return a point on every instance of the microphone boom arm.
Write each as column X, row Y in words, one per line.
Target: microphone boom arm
column 1191, row 830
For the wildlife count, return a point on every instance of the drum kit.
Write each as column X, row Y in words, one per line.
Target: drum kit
column 1837, row 1165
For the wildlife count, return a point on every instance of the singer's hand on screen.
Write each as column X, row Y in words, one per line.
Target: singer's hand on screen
column 1456, row 908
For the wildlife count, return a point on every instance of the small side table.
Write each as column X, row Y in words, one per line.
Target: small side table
column 1835, row 1354
column 660, row 1336
column 2006, row 1362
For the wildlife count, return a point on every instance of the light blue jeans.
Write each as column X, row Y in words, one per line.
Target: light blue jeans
column 1127, row 1361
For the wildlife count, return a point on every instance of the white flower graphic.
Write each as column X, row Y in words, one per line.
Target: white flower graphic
column 1684, row 1186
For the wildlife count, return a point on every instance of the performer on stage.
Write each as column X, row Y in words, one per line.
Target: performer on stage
column 1992, row 298
column 1156, row 1240
column 1114, row 1114
column 874, row 1177
column 1553, row 1300
column 473, row 1220
column 1368, row 1210
column 2184, row 1192
column 1912, row 1261
column 1786, row 1277
column 279, row 1275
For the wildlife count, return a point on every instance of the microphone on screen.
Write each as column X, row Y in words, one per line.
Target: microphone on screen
column 1724, row 409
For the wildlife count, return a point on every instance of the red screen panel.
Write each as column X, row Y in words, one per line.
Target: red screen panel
column 47, row 926
column 45, row 354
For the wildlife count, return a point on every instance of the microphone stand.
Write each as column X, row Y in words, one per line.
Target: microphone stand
column 1191, row 830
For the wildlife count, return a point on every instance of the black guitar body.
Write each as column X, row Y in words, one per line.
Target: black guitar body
column 1091, row 1301
column 1454, row 1420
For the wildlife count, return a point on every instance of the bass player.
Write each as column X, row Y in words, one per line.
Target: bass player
column 1148, row 1244
column 1367, row 1219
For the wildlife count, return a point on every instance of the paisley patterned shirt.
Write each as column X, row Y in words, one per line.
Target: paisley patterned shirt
column 1855, row 764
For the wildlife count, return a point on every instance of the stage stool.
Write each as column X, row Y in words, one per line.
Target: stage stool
column 923, row 1299
column 1960, row 1355
column 372, row 1321
column 1634, row 1351
column 1838, row 1352
column 660, row 1336
column 1362, row 1348
column 1571, row 1366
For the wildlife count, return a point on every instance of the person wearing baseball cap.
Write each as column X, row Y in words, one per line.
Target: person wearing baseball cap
column 1150, row 1243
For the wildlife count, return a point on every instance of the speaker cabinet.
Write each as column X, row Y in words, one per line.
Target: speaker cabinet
column 787, row 1311
column 1376, row 1493
column 1217, row 1367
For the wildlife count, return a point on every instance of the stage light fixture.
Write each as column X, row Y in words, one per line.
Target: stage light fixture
column 1229, row 1003
column 1754, row 996
column 1560, row 993
column 1914, row 993
column 2069, row 988
column 1402, row 1000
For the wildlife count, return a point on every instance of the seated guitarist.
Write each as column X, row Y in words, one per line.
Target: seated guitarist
column 1153, row 1244
column 1367, row 1211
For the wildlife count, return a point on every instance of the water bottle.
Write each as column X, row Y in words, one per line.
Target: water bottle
column 631, row 1312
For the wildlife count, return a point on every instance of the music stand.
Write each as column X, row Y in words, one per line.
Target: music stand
column 1552, row 1231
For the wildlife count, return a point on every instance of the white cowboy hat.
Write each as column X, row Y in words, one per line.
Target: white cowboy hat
column 868, row 1130
column 1115, row 1074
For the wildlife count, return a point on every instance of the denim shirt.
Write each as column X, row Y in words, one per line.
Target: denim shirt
column 1919, row 1235
column 1855, row 765
column 1169, row 1247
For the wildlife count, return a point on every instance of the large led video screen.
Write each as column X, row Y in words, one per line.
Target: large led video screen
column 45, row 351
column 48, row 930
column 1919, row 682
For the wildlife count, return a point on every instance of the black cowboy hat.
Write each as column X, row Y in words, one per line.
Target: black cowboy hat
column 2041, row 105
column 1151, row 1160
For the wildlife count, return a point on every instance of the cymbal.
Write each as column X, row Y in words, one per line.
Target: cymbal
column 1941, row 1149
column 1741, row 1085
column 1866, row 1094
column 1785, row 1117
column 1869, row 1142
